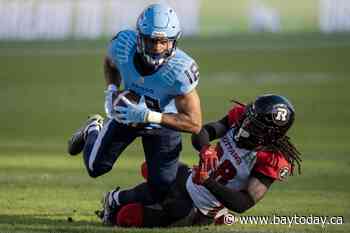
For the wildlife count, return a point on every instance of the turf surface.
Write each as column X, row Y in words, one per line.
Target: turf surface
column 48, row 89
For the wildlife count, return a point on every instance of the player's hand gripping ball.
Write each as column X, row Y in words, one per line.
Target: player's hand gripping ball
column 131, row 109
column 118, row 101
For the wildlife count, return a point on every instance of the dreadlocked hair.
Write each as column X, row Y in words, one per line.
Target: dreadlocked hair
column 289, row 151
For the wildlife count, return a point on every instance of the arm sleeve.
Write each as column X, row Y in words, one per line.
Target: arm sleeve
column 209, row 132
column 237, row 201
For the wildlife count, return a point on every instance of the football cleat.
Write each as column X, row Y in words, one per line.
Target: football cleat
column 110, row 208
column 77, row 141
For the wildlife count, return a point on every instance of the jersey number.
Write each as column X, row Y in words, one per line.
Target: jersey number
column 225, row 172
column 193, row 74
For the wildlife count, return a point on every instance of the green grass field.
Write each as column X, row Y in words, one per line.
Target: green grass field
column 48, row 89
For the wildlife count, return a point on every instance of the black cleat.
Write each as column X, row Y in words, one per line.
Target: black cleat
column 77, row 141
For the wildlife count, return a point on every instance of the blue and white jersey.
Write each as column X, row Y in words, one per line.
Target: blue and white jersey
column 176, row 77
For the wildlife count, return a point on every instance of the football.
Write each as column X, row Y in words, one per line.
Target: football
column 130, row 95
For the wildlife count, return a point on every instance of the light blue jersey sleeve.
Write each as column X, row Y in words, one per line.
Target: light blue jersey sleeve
column 188, row 80
column 121, row 46
column 187, row 74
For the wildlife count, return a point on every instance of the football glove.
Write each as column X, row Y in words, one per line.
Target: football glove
column 208, row 157
column 200, row 174
column 109, row 93
column 132, row 113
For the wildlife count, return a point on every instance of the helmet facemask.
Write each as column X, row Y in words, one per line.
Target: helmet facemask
column 253, row 133
column 145, row 47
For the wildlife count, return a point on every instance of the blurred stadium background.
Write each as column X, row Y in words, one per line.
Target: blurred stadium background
column 51, row 78
column 65, row 19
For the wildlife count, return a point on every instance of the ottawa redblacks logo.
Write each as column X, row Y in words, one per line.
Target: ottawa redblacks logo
column 280, row 114
column 283, row 173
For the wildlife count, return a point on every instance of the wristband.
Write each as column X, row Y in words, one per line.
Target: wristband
column 154, row 117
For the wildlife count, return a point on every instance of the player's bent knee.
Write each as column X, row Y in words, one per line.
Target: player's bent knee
column 130, row 215
column 98, row 171
column 93, row 174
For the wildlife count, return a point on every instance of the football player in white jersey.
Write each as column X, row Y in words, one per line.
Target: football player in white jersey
column 253, row 151
column 147, row 63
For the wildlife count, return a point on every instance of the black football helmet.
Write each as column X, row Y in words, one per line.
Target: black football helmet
column 265, row 120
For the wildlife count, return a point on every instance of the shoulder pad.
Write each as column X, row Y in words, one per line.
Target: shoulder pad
column 121, row 46
column 273, row 165
column 174, row 68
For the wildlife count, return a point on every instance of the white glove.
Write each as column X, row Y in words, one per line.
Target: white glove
column 111, row 90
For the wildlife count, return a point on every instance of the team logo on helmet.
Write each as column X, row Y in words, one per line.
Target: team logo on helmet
column 280, row 114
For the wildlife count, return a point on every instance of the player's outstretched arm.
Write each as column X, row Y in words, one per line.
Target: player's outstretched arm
column 189, row 116
column 210, row 132
column 201, row 142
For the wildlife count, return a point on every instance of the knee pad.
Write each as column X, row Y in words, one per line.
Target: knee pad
column 130, row 215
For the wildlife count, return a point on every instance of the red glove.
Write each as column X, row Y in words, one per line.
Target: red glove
column 199, row 174
column 209, row 157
